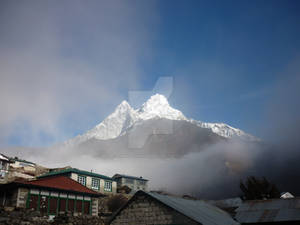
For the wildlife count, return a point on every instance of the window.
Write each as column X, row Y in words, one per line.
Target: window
column 95, row 183
column 81, row 180
column 142, row 182
column 2, row 173
column 129, row 181
column 2, row 165
column 107, row 186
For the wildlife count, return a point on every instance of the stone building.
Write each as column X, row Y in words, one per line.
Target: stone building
column 94, row 181
column 12, row 168
column 50, row 195
column 18, row 163
column 134, row 183
column 153, row 208
column 4, row 166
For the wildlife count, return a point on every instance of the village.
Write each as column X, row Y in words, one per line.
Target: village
column 33, row 194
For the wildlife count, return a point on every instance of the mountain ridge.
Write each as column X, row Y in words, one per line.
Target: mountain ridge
column 156, row 107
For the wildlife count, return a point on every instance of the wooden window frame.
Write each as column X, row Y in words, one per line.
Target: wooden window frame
column 105, row 187
column 84, row 178
column 95, row 187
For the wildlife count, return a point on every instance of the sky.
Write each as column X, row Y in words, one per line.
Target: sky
column 65, row 65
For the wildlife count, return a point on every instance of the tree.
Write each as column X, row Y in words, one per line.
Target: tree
column 115, row 202
column 256, row 188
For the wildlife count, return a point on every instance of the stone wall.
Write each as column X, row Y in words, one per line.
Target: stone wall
column 22, row 197
column 30, row 217
column 145, row 210
column 95, row 203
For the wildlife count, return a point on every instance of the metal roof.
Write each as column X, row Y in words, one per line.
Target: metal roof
column 3, row 157
column 197, row 210
column 271, row 210
column 74, row 170
column 128, row 176
column 226, row 203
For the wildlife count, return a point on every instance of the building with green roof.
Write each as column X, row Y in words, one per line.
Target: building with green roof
column 96, row 182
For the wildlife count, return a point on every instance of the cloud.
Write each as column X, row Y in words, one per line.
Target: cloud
column 283, row 109
column 66, row 59
column 280, row 160
column 69, row 61
column 213, row 172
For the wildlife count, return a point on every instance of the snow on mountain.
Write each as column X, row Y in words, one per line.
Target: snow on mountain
column 125, row 117
column 225, row 130
column 158, row 106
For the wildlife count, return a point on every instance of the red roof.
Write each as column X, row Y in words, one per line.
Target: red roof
column 59, row 182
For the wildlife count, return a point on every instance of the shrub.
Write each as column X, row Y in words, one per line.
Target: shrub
column 115, row 202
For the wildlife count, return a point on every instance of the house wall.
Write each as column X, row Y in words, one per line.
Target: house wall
column 74, row 176
column 49, row 202
column 145, row 210
column 4, row 165
column 23, row 164
column 95, row 206
column 22, row 197
column 134, row 184
column 53, row 202
column 9, row 197
column 12, row 175
column 42, row 200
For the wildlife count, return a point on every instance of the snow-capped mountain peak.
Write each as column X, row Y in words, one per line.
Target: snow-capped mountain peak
column 124, row 117
column 121, row 110
column 156, row 100
column 158, row 107
column 111, row 127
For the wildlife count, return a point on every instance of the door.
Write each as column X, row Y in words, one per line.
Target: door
column 86, row 207
column 71, row 204
column 53, row 205
column 44, row 204
column 33, row 202
column 62, row 204
column 79, row 206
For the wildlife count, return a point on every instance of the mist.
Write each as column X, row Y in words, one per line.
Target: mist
column 66, row 61
column 65, row 65
column 214, row 172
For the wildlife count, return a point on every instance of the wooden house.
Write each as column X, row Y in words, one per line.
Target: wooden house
column 50, row 195
column 93, row 181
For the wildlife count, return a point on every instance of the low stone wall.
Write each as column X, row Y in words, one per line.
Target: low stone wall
column 77, row 220
column 29, row 217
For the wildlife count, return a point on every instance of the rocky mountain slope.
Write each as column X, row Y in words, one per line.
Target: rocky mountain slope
column 155, row 129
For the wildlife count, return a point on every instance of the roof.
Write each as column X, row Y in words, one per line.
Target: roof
column 57, row 183
column 228, row 205
column 74, row 170
column 127, row 176
column 15, row 159
column 286, row 195
column 3, row 157
column 271, row 210
column 196, row 210
column 224, row 203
